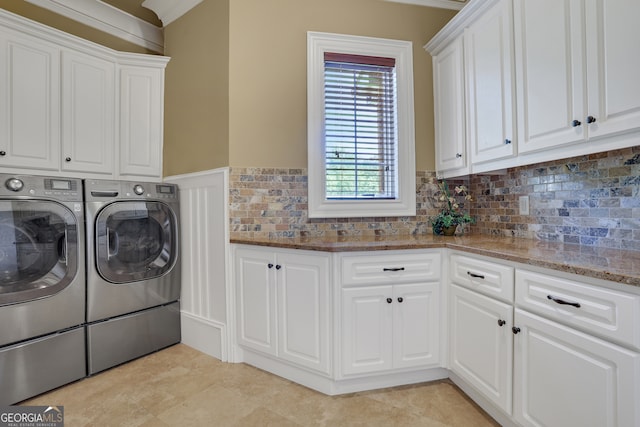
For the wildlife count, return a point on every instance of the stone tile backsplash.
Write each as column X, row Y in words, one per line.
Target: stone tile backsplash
column 268, row 202
column 590, row 200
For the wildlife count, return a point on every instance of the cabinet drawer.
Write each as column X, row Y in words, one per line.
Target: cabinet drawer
column 610, row 314
column 489, row 278
column 389, row 268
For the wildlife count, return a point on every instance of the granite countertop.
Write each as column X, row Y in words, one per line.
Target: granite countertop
column 602, row 263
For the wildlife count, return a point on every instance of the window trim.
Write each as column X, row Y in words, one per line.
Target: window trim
column 402, row 51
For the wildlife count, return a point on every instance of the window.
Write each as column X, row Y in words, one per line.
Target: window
column 360, row 124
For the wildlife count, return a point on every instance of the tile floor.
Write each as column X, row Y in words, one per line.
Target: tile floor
column 180, row 386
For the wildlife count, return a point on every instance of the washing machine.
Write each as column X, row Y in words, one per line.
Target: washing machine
column 42, row 285
column 133, row 270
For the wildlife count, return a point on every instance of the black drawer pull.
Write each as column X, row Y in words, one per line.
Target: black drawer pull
column 393, row 269
column 563, row 302
column 478, row 276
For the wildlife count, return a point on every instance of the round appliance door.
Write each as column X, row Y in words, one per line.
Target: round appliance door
column 38, row 249
column 135, row 241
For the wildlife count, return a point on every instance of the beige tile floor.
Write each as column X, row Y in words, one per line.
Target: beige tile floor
column 180, row 386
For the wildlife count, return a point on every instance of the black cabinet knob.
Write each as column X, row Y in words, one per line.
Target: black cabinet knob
column 67, row 159
column 501, row 322
column 270, row 265
column 3, row 153
column 576, row 123
column 515, row 330
column 507, row 141
column 591, row 119
column 389, row 300
column 458, row 155
column 400, row 299
column 278, row 267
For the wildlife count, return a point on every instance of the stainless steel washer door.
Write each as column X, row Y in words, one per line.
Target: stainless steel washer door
column 38, row 249
column 135, row 241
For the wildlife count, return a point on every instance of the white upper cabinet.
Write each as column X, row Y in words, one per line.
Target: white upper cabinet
column 613, row 66
column 88, row 114
column 29, row 102
column 566, row 70
column 448, row 78
column 578, row 63
column 73, row 108
column 488, row 47
column 549, row 40
column 141, row 120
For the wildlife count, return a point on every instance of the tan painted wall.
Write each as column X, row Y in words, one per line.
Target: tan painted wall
column 267, row 71
column 196, row 132
column 44, row 16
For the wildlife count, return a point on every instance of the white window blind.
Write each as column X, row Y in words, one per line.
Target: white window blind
column 360, row 127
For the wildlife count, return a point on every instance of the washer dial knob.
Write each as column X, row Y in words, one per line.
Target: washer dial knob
column 14, row 184
column 138, row 189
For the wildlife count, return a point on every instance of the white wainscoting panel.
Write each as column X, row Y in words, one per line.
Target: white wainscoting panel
column 205, row 256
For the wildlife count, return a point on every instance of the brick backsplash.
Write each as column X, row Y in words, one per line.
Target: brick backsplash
column 268, row 202
column 591, row 200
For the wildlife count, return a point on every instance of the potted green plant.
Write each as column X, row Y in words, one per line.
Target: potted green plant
column 450, row 216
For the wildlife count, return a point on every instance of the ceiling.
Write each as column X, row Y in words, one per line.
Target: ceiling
column 141, row 21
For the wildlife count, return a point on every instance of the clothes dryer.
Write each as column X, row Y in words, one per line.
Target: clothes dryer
column 133, row 270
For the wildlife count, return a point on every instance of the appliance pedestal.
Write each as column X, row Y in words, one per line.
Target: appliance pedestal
column 120, row 339
column 42, row 364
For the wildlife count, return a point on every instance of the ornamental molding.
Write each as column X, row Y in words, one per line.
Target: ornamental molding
column 442, row 4
column 109, row 19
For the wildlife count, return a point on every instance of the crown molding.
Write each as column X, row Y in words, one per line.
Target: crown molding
column 442, row 4
column 170, row 10
column 109, row 19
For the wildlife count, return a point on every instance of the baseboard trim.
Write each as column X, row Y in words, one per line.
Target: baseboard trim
column 326, row 385
column 204, row 335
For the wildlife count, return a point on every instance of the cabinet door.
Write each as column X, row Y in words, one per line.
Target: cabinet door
column 613, row 54
column 563, row 377
column 256, row 317
column 303, row 309
column 448, row 81
column 141, row 121
column 29, row 103
column 367, row 328
column 88, row 114
column 416, row 325
column 550, row 73
column 481, row 344
column 489, row 85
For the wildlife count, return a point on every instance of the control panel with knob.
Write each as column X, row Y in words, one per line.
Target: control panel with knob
column 138, row 189
column 14, row 184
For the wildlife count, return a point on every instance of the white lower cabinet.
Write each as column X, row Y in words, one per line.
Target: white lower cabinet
column 390, row 311
column 564, row 377
column 560, row 351
column 481, row 344
column 533, row 347
column 389, row 327
column 283, row 304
